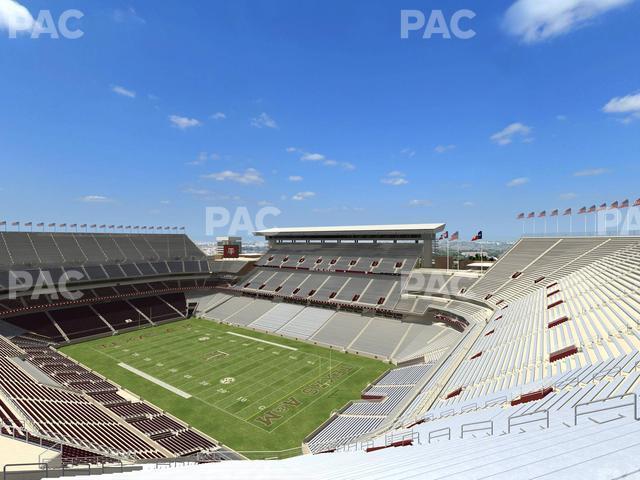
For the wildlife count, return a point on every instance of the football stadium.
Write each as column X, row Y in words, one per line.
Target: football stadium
column 319, row 239
column 337, row 346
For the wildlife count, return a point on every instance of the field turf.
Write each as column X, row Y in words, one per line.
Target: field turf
column 252, row 395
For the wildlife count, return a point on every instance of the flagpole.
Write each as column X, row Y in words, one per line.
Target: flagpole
column 458, row 242
column 447, row 255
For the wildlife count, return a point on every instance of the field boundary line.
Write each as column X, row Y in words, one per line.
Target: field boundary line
column 155, row 380
column 263, row 341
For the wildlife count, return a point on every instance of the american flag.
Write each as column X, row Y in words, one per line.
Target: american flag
column 582, row 210
column 636, row 203
column 182, row 228
column 625, row 204
column 477, row 236
column 454, row 236
column 93, row 226
column 41, row 224
column 52, row 225
column 542, row 214
column 592, row 209
column 73, row 225
column 62, row 225
column 84, row 225
column 613, row 206
column 15, row 224
column 119, row 226
column 554, row 213
column 520, row 216
column 28, row 224
column 3, row 223
column 103, row 226
column 603, row 206
column 532, row 215
column 567, row 212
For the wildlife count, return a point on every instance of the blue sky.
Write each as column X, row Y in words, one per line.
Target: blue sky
column 319, row 108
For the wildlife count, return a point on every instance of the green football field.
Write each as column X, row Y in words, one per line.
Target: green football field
column 253, row 392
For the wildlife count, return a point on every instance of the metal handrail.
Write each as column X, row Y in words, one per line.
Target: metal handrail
column 446, row 429
column 483, row 429
column 633, row 403
column 511, row 424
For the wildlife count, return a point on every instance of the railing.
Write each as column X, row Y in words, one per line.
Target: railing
column 632, row 403
column 483, row 426
column 43, row 470
column 511, row 420
column 442, row 432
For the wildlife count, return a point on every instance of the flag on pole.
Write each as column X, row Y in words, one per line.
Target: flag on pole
column 477, row 236
column 554, row 213
column 28, row 224
column 613, row 206
column 636, row 203
column 128, row 226
column 51, row 225
column 520, row 216
column 103, row 226
column 625, row 204
column 41, row 224
column 73, row 225
column 592, row 209
column 542, row 214
column 2, row 223
column 119, row 226
column 454, row 235
column 603, row 206
column 143, row 228
column 84, row 225
column 62, row 225
column 567, row 212
column 15, row 224
column 182, row 228
column 582, row 210
column 93, row 226
column 532, row 215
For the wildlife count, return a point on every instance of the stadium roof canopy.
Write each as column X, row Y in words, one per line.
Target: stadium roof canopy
column 358, row 231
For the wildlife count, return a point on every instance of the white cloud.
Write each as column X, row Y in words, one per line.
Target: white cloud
column 420, row 203
column 203, row 157
column 568, row 196
column 468, row 204
column 312, row 157
column 125, row 92
column 219, row 116
column 303, row 196
column 507, row 134
column 444, row 148
column 320, row 158
column 263, row 121
column 395, row 178
column 96, row 199
column 409, row 152
column 628, row 106
column 591, row 172
column 165, row 202
column 295, row 178
column 516, row 182
column 15, row 17
column 184, row 122
column 249, row 177
column 537, row 20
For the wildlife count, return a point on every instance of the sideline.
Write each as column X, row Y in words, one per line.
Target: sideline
column 263, row 341
column 160, row 383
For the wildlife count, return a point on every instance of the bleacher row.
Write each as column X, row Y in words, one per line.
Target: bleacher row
column 380, row 258
column 102, row 317
column 375, row 336
column 366, row 416
column 338, row 289
column 85, row 411
column 81, row 257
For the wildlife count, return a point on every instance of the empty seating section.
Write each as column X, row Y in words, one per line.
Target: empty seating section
column 341, row 330
column 97, row 256
column 380, row 337
column 76, row 421
column 276, row 317
column 360, row 418
column 98, row 318
column 306, row 323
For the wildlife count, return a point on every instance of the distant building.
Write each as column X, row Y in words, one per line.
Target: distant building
column 229, row 247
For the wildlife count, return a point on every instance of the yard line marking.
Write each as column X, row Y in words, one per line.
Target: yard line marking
column 158, row 382
column 263, row 341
